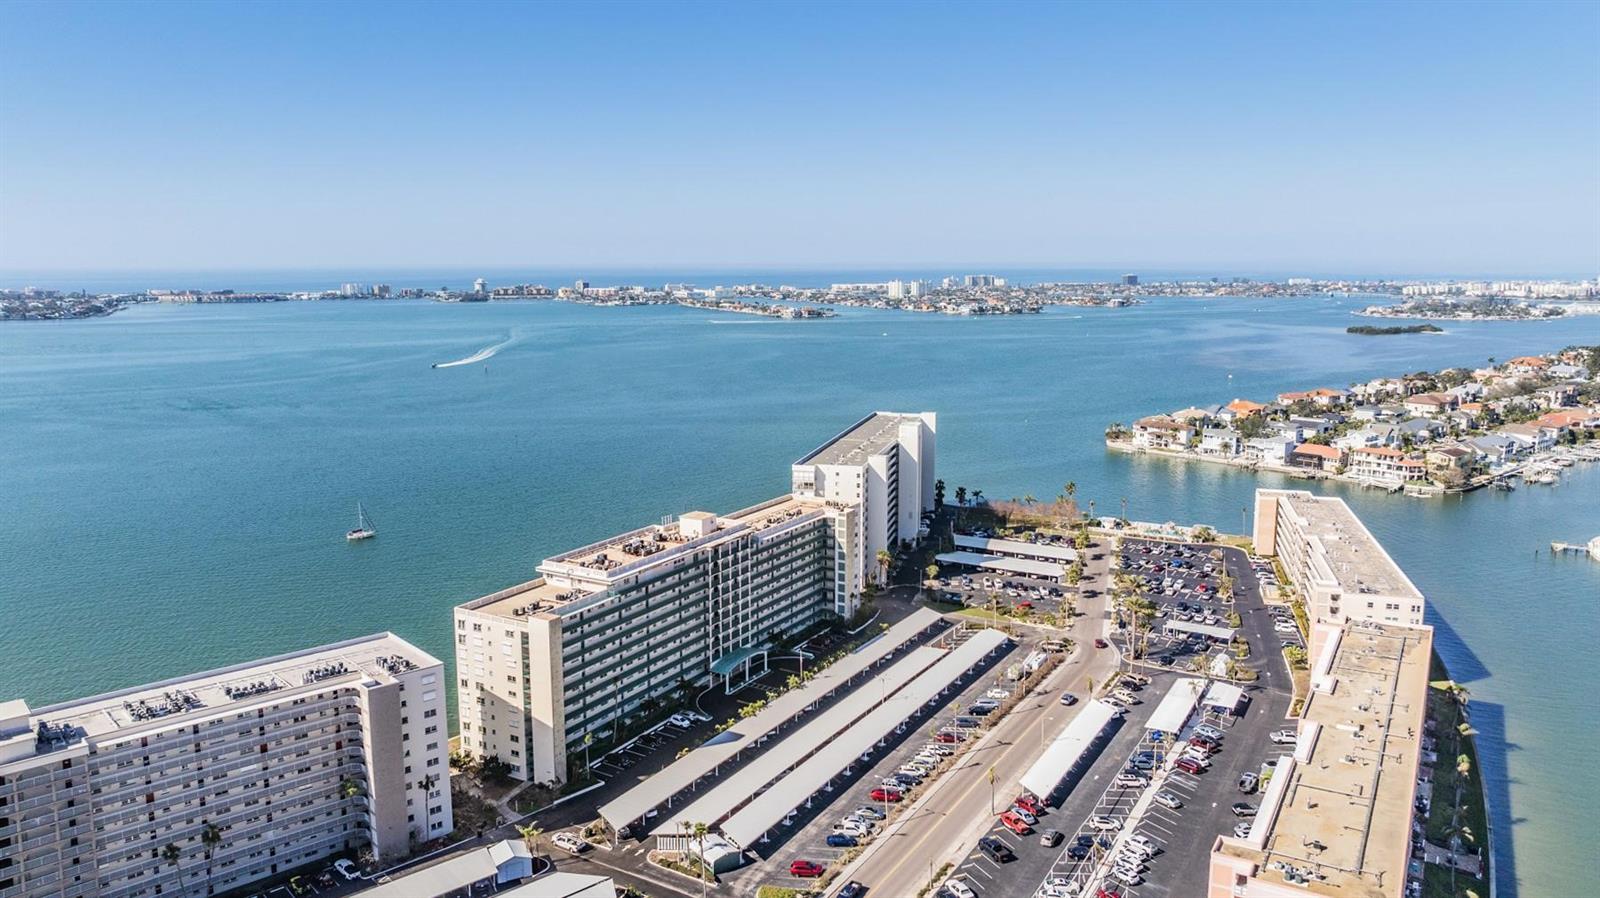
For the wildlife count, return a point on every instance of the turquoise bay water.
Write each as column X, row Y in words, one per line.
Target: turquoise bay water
column 176, row 481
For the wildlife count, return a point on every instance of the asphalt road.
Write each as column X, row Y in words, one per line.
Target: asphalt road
column 952, row 816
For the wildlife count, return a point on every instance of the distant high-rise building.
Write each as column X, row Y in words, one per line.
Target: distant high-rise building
column 982, row 280
column 1130, row 280
column 480, row 286
column 381, row 290
column 351, row 290
column 580, row 285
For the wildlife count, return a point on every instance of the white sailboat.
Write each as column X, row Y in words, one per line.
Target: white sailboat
column 364, row 528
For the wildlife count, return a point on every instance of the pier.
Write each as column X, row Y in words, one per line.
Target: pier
column 1592, row 549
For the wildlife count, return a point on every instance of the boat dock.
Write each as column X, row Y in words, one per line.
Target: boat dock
column 1592, row 549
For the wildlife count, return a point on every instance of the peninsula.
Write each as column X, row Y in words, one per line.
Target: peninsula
column 1426, row 433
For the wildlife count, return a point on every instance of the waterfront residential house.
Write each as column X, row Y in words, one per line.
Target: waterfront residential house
column 1570, row 419
column 1161, row 432
column 1535, row 437
column 1466, row 392
column 1566, row 371
column 1559, row 395
column 1382, row 465
column 1422, row 430
column 1448, row 463
column 1528, row 365
column 1272, row 449
column 1372, row 435
column 1375, row 391
column 1429, row 404
column 1497, row 449
column 1244, row 408
column 1317, row 456
column 1220, row 441
column 1195, row 415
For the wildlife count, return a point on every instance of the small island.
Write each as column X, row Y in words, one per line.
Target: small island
column 1370, row 330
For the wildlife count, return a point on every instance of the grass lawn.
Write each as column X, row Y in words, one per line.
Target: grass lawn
column 1449, row 744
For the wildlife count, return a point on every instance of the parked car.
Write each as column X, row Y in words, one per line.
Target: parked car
column 882, row 794
column 841, row 840
column 1050, row 838
column 1016, row 824
column 1026, row 815
column 996, row 850
column 1241, row 830
column 569, row 842
column 806, row 869
column 1167, row 799
column 955, row 888
column 1104, row 824
column 1208, row 731
column 1243, row 809
column 1029, row 803
column 1190, row 765
column 347, row 869
column 1284, row 737
column 869, row 812
column 1127, row 780
column 1144, row 841
column 946, row 737
column 1248, row 782
column 681, row 721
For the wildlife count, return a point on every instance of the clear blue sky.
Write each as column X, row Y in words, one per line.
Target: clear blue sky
column 1381, row 138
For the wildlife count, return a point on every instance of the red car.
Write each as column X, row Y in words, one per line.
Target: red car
column 1203, row 742
column 1015, row 824
column 946, row 736
column 1189, row 765
column 881, row 794
column 1028, row 803
column 806, row 868
column 1101, row 644
column 1103, row 893
column 1024, row 604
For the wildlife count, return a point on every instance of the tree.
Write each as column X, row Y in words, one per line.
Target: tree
column 530, row 836
column 210, row 838
column 700, row 831
column 977, row 497
column 171, row 854
column 426, row 784
column 884, row 560
column 1251, row 426
column 1204, row 534
column 938, row 493
column 1070, row 490
column 349, row 788
column 961, row 496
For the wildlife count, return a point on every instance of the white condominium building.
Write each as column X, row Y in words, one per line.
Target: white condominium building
column 1330, row 555
column 882, row 465
column 289, row 759
column 610, row 633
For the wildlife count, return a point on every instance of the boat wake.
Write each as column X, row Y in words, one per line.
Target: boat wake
column 484, row 354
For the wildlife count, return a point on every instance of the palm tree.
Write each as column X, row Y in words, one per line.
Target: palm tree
column 938, row 493
column 884, row 560
column 1071, row 489
column 171, row 855
column 961, row 497
column 977, row 497
column 1028, row 499
column 530, row 837
column 426, row 785
column 210, row 837
column 700, row 831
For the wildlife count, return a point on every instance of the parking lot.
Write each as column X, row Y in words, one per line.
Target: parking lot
column 978, row 590
column 804, row 836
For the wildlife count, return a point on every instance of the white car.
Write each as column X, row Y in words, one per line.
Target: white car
column 1285, row 737
column 1104, row 824
column 682, row 721
column 1144, row 843
column 958, row 889
column 1241, row 830
column 1027, row 817
column 569, row 842
column 346, row 869
column 1208, row 731
column 1127, row 878
column 1124, row 696
column 1168, row 799
column 999, row 694
column 1285, row 627
column 1130, row 781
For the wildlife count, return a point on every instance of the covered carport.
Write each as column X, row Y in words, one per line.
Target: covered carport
column 1067, row 750
column 1025, row 567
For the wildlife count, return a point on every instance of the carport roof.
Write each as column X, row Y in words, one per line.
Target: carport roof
column 679, row 775
column 764, row 812
column 1176, row 705
column 1202, row 629
column 1064, row 752
column 1016, row 547
column 1025, row 566
column 1223, row 695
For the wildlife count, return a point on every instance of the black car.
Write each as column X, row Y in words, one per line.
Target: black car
column 1078, row 852
column 852, row 890
column 996, row 850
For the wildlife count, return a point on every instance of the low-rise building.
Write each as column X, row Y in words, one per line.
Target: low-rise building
column 1383, row 465
column 1317, row 456
column 1161, row 432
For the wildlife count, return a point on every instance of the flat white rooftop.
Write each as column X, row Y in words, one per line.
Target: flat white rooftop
column 1355, row 557
column 771, row 806
column 684, row 772
column 1067, row 749
column 1064, row 554
column 379, row 656
column 868, row 437
column 1025, row 566
column 1176, row 705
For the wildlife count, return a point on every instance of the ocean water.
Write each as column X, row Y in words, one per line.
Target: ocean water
column 175, row 481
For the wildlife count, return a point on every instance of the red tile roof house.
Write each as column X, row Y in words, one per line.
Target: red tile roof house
column 1161, row 432
column 1567, row 419
column 1317, row 456
column 1527, row 364
column 1244, row 408
column 1384, row 465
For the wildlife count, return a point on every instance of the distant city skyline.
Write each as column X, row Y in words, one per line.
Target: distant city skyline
column 1397, row 140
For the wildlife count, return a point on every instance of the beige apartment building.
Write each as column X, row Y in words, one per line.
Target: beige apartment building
column 609, row 633
column 291, row 759
column 1341, row 569
column 1335, row 819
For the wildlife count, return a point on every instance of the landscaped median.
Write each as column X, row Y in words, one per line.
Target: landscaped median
column 1458, row 821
